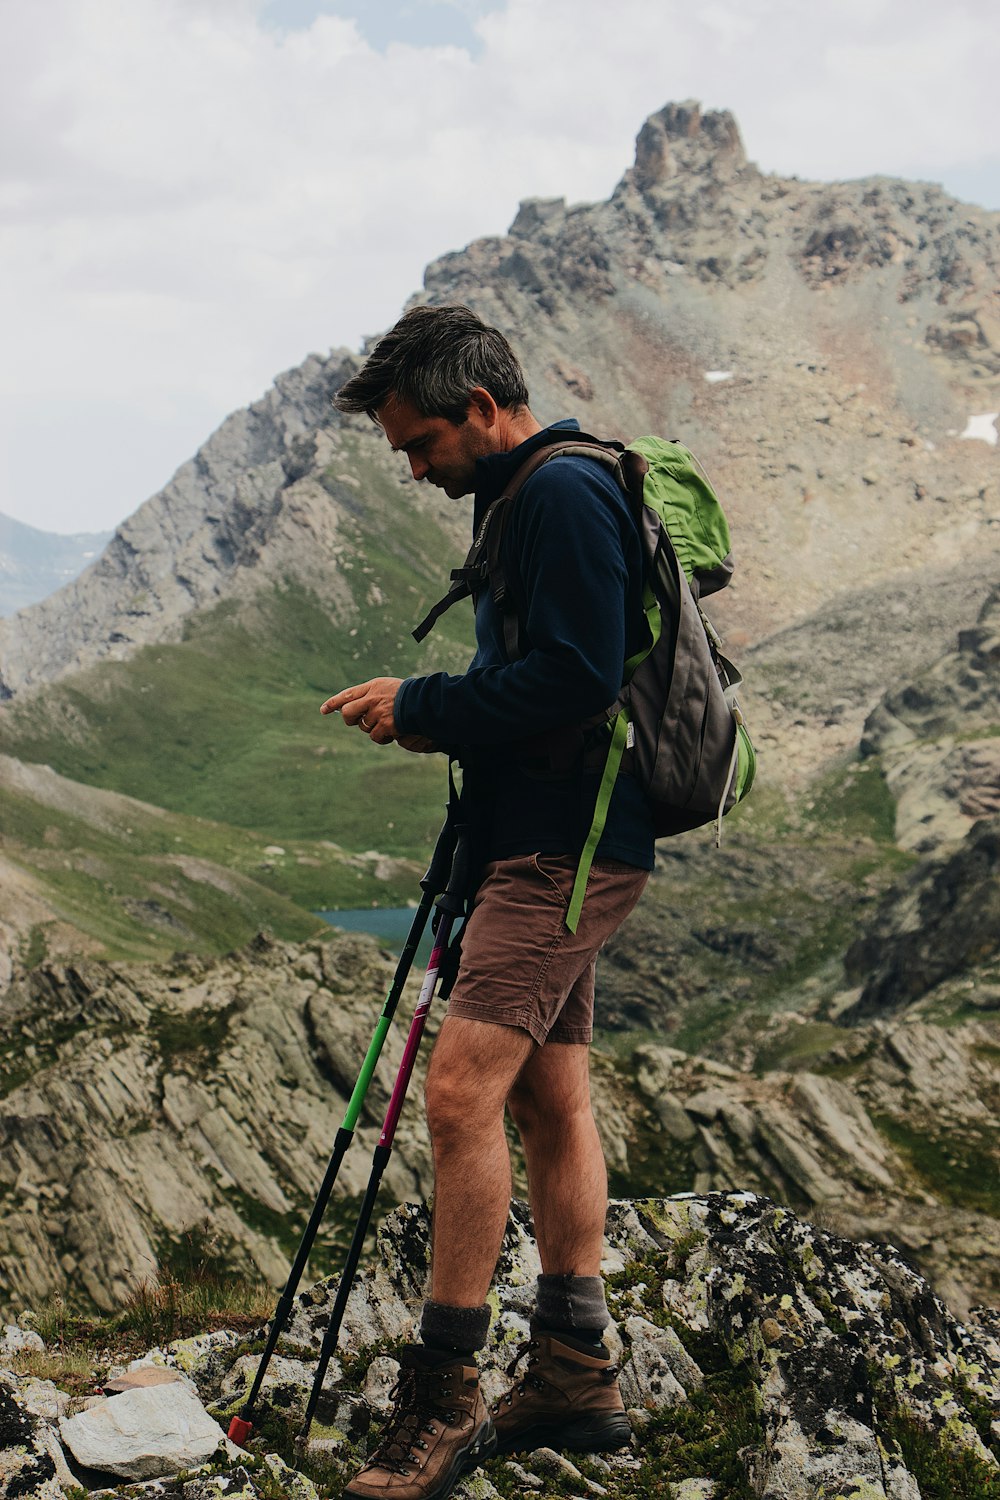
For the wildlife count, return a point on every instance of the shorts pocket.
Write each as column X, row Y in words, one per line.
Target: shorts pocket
column 557, row 874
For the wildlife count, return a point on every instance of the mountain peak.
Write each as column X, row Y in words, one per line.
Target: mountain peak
column 680, row 138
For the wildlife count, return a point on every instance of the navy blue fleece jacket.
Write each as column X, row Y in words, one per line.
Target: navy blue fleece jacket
column 571, row 552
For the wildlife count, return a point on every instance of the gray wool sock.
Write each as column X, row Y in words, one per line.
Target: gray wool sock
column 572, row 1304
column 460, row 1329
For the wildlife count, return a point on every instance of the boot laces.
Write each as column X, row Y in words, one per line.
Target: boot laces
column 417, row 1406
column 529, row 1347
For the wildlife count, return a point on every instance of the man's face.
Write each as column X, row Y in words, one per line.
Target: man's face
column 439, row 450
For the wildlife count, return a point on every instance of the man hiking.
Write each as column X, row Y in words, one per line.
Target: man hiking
column 449, row 393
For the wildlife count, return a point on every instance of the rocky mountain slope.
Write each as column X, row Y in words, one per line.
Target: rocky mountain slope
column 822, row 346
column 34, row 564
column 142, row 1106
column 277, row 495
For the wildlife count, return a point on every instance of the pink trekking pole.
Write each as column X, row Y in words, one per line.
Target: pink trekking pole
column 451, row 906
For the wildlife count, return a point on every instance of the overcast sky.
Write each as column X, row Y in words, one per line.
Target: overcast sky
column 194, row 194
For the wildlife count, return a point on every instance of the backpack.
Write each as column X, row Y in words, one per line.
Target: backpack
column 676, row 725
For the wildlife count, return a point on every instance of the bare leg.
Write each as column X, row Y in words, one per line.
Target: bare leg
column 567, row 1178
column 472, row 1069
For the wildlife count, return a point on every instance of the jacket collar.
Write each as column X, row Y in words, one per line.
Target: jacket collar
column 496, row 469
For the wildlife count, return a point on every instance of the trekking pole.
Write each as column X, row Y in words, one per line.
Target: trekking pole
column 432, row 884
column 450, row 905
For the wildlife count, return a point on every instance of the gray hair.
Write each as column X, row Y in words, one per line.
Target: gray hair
column 434, row 357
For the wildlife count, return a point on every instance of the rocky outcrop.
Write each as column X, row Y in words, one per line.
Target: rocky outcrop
column 938, row 737
column 755, row 1351
column 941, row 923
column 190, row 1102
column 822, row 686
column 887, row 1135
column 270, row 497
column 151, row 1112
column 144, row 1432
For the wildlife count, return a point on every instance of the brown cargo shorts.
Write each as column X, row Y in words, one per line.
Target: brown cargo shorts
column 521, row 966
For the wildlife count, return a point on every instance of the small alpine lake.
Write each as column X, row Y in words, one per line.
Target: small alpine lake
column 390, row 924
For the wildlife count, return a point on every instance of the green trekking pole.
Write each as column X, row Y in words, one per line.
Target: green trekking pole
column 432, row 884
column 451, row 906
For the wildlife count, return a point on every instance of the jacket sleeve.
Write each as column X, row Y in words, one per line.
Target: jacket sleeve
column 566, row 542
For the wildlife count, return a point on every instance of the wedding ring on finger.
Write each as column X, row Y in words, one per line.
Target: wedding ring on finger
column 365, row 724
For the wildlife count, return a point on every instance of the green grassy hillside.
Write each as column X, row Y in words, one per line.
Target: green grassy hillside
column 226, row 725
column 130, row 881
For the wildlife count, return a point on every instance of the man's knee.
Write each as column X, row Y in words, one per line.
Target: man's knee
column 449, row 1107
column 467, row 1085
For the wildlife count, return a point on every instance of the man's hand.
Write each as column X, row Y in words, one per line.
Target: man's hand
column 369, row 706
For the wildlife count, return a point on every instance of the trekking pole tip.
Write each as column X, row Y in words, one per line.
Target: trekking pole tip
column 239, row 1431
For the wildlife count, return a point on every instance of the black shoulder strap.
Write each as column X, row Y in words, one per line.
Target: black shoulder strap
column 467, row 580
column 484, row 566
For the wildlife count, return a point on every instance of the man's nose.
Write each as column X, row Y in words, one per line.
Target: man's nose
column 418, row 465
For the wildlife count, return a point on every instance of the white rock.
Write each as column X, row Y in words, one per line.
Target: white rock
column 525, row 1479
column 670, row 1349
column 42, row 1398
column 649, row 1379
column 379, row 1381
column 145, row 1433
column 548, row 1461
column 982, row 426
column 692, row 1489
column 19, row 1341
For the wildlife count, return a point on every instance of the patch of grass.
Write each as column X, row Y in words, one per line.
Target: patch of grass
column 190, row 1033
column 189, row 1295
column 943, row 1470
column 702, row 1436
column 142, row 883
column 854, row 800
column 71, row 1371
column 799, row 1047
column 34, row 949
column 955, row 1169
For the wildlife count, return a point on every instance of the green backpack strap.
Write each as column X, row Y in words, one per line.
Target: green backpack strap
column 619, row 736
column 619, row 742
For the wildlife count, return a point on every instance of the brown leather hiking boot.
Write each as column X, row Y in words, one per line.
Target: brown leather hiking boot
column 564, row 1399
column 438, row 1430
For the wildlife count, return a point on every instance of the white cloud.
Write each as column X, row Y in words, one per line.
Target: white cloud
column 194, row 198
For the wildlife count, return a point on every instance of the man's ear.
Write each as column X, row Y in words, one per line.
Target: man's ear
column 482, row 407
